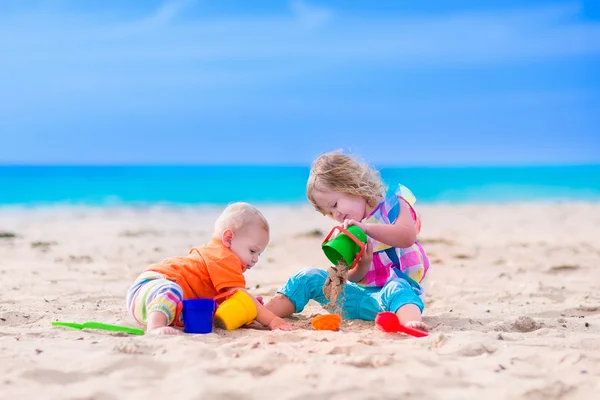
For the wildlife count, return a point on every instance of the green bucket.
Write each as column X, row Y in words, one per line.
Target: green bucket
column 343, row 246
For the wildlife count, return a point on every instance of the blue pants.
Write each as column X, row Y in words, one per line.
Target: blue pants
column 357, row 302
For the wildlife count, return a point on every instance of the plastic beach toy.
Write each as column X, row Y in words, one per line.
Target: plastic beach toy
column 237, row 310
column 198, row 315
column 388, row 322
column 327, row 322
column 99, row 325
column 349, row 245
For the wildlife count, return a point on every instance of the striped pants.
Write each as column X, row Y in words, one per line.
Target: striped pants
column 152, row 292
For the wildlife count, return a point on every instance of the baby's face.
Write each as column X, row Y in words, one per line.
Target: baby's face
column 249, row 242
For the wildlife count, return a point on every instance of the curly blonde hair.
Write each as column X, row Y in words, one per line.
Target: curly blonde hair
column 341, row 173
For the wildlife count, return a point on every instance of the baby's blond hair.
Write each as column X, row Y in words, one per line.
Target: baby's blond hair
column 238, row 215
column 341, row 173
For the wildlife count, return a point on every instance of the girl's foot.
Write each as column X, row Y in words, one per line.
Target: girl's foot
column 418, row 325
column 389, row 322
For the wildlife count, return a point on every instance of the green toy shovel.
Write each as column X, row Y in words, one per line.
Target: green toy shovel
column 99, row 325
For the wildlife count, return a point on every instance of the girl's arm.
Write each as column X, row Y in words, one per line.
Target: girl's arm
column 402, row 234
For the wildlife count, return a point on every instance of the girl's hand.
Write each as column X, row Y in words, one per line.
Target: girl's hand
column 367, row 258
column 364, row 264
column 348, row 222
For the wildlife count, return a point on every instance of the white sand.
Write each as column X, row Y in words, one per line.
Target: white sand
column 492, row 266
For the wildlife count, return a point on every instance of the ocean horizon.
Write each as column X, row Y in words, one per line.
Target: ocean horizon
column 217, row 185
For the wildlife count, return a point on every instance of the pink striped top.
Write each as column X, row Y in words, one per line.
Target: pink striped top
column 387, row 260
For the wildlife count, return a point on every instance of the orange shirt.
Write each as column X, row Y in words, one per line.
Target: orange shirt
column 205, row 271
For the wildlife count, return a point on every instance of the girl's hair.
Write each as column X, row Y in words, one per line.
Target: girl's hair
column 238, row 215
column 341, row 173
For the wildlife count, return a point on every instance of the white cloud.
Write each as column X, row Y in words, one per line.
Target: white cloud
column 163, row 17
column 309, row 15
column 466, row 38
column 48, row 54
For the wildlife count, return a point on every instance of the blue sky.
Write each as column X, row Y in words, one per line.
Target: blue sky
column 264, row 82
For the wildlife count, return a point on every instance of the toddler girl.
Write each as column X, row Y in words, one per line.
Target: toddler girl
column 388, row 276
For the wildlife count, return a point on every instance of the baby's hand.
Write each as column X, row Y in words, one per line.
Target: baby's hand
column 255, row 325
column 281, row 324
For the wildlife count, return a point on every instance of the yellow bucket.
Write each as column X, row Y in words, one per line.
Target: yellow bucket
column 237, row 310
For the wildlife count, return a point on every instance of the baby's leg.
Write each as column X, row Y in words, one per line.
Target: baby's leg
column 159, row 324
column 399, row 297
column 154, row 301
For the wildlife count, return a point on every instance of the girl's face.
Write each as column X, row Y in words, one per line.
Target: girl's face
column 340, row 206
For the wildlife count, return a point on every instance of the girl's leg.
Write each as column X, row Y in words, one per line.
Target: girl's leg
column 306, row 285
column 410, row 315
column 281, row 305
column 399, row 297
column 355, row 302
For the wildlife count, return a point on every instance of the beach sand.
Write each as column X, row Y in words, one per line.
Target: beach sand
column 513, row 304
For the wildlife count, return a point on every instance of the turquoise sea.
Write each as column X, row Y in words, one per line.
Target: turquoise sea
column 146, row 185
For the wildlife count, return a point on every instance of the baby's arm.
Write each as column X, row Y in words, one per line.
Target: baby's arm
column 266, row 317
column 402, row 234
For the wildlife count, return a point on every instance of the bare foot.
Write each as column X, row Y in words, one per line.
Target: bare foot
column 165, row 330
column 419, row 325
column 158, row 324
